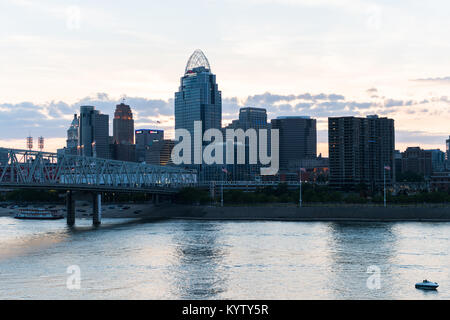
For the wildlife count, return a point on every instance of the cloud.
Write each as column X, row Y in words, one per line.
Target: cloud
column 420, row 137
column 433, row 80
column 52, row 119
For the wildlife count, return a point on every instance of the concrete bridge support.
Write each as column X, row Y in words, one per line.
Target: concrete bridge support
column 70, row 208
column 96, row 209
column 155, row 198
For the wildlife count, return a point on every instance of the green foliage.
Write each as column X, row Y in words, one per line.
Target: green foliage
column 310, row 194
column 192, row 196
column 410, row 176
column 33, row 195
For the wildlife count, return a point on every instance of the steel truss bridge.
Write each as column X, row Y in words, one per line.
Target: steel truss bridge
column 46, row 170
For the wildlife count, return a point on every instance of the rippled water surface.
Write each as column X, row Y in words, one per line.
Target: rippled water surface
column 129, row 259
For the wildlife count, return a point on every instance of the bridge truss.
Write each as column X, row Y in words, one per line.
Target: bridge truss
column 34, row 169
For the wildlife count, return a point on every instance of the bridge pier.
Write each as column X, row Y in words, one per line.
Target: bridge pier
column 155, row 198
column 96, row 209
column 70, row 208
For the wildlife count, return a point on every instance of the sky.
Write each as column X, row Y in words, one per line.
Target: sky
column 318, row 58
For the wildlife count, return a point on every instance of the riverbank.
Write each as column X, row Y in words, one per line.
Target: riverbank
column 344, row 213
column 436, row 212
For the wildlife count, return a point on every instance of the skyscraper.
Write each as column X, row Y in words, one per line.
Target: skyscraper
column 144, row 139
column 255, row 118
column 249, row 118
column 298, row 139
column 437, row 159
column 123, row 125
column 123, row 147
column 359, row 150
column 72, row 137
column 198, row 99
column 418, row 161
column 159, row 152
column 93, row 133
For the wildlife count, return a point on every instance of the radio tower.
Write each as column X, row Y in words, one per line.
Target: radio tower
column 41, row 143
column 30, row 143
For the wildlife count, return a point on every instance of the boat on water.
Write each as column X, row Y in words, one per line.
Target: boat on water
column 36, row 213
column 427, row 285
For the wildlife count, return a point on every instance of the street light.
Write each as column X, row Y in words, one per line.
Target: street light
column 300, row 195
column 384, row 181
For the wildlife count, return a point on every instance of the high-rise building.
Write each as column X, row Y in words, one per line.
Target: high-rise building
column 72, row 137
column 93, row 133
column 297, row 139
column 144, row 139
column 159, row 152
column 418, row 161
column 249, row 118
column 359, row 151
column 123, row 125
column 437, row 160
column 123, row 147
column 255, row 118
column 199, row 99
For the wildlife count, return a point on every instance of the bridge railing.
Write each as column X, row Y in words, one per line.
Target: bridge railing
column 35, row 167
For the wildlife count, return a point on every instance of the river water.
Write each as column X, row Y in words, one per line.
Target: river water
column 181, row 259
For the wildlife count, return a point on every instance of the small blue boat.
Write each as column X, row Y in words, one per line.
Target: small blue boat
column 427, row 285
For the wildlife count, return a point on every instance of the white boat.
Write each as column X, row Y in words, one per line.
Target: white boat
column 45, row 214
column 427, row 285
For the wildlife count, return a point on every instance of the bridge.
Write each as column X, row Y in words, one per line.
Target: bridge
column 46, row 170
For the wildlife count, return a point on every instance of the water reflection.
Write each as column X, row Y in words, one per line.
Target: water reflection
column 197, row 258
column 353, row 248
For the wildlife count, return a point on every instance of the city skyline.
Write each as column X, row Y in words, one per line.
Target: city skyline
column 393, row 66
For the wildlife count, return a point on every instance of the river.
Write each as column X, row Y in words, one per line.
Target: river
column 182, row 259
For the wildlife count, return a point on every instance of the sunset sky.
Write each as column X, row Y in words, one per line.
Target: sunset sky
column 294, row 57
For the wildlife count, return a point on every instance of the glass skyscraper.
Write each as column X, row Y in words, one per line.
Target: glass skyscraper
column 198, row 99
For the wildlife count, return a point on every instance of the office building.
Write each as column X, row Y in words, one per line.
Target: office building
column 123, row 125
column 199, row 99
column 359, row 151
column 144, row 139
column 72, row 136
column 437, row 160
column 297, row 139
column 418, row 161
column 249, row 118
column 93, row 133
column 159, row 152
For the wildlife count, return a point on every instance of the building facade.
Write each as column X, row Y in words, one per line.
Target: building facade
column 72, row 137
column 123, row 125
column 359, row 151
column 418, row 161
column 122, row 144
column 249, row 118
column 93, row 133
column 199, row 99
column 437, row 160
column 144, row 139
column 159, row 152
column 297, row 139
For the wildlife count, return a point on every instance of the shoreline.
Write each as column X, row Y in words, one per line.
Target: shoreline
column 351, row 213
